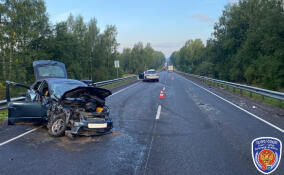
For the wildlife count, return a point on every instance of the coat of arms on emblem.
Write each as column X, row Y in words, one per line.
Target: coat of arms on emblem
column 266, row 154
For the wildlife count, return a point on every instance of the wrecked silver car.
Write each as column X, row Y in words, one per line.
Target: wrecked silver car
column 65, row 106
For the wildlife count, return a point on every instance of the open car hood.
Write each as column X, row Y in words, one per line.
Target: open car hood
column 49, row 69
column 94, row 91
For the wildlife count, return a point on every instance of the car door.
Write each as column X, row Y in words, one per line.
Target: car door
column 24, row 111
column 141, row 76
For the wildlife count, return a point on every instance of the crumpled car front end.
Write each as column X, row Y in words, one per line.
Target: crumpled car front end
column 92, row 123
column 80, row 111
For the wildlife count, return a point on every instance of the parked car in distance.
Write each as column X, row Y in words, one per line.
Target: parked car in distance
column 151, row 75
column 170, row 68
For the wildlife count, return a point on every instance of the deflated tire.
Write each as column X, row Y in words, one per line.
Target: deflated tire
column 57, row 125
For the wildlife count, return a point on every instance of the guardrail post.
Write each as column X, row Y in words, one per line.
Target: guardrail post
column 7, row 92
column 241, row 91
column 234, row 89
column 250, row 94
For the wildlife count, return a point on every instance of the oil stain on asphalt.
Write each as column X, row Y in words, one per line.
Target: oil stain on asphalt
column 71, row 145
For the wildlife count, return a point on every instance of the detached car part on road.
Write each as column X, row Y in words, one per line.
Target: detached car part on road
column 65, row 106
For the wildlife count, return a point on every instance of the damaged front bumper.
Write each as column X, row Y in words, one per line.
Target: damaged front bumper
column 91, row 128
column 88, row 126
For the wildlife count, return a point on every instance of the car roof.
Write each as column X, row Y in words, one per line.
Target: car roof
column 151, row 70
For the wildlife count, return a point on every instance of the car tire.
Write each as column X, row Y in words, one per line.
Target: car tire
column 57, row 125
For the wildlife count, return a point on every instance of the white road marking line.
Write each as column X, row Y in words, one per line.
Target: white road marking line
column 19, row 136
column 123, row 89
column 270, row 124
column 158, row 112
column 164, row 88
column 149, row 153
column 152, row 139
column 150, row 148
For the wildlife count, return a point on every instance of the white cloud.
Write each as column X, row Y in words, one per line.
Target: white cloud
column 203, row 17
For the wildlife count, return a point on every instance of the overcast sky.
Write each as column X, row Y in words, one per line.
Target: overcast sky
column 166, row 24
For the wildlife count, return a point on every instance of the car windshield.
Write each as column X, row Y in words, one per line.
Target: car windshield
column 59, row 88
column 151, row 72
column 51, row 71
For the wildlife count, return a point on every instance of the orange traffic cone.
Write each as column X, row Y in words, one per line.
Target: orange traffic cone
column 162, row 94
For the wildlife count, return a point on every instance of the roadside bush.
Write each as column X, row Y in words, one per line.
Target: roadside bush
column 205, row 68
column 2, row 91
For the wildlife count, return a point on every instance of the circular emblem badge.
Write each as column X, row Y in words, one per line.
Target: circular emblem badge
column 266, row 158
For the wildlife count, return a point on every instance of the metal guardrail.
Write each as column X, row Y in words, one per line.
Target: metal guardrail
column 103, row 83
column 97, row 84
column 260, row 91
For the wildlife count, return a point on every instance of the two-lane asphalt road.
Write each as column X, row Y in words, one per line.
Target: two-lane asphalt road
column 194, row 132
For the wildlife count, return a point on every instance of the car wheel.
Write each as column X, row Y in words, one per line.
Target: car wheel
column 57, row 125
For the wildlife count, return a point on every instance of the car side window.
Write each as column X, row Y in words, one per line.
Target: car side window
column 44, row 89
column 36, row 85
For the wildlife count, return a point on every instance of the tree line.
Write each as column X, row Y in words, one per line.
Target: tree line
column 26, row 34
column 246, row 46
column 141, row 58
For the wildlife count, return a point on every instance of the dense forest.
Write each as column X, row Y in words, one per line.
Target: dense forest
column 26, row 34
column 247, row 46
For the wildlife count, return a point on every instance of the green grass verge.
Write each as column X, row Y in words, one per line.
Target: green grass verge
column 118, row 83
column 126, row 75
column 260, row 98
column 3, row 114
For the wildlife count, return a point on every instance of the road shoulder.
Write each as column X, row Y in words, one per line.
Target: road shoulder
column 270, row 113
